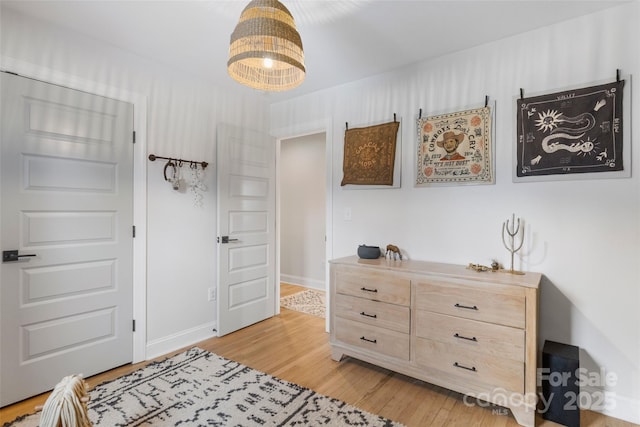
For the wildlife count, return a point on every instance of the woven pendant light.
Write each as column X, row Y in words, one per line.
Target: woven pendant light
column 266, row 50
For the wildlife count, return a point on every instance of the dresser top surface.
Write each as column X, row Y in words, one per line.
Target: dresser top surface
column 528, row 279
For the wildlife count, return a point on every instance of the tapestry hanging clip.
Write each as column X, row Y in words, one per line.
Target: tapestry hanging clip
column 346, row 124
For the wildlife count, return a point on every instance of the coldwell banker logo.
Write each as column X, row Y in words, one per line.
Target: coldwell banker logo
column 595, row 398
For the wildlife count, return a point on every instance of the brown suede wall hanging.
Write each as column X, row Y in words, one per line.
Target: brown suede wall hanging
column 369, row 154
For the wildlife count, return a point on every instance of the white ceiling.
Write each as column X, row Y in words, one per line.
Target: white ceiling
column 344, row 40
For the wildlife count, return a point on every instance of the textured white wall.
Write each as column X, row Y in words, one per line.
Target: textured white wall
column 584, row 235
column 302, row 210
column 182, row 117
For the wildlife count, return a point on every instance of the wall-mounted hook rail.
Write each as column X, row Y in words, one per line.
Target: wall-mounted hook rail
column 178, row 162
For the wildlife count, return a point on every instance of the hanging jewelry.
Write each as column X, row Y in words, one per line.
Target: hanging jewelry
column 197, row 186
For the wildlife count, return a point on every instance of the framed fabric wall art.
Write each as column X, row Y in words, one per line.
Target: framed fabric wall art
column 455, row 148
column 370, row 155
column 571, row 132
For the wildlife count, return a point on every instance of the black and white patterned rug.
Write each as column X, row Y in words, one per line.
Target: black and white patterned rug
column 310, row 301
column 199, row 388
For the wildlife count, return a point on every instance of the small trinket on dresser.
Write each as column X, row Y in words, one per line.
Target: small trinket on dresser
column 393, row 252
column 480, row 267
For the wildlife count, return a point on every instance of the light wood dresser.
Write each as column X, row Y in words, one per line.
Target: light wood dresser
column 468, row 331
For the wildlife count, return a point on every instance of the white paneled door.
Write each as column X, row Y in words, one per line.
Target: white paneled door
column 66, row 196
column 246, row 228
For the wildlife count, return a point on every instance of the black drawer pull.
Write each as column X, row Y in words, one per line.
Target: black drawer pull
column 475, row 307
column 368, row 290
column 456, row 335
column 368, row 340
column 457, row 365
column 374, row 316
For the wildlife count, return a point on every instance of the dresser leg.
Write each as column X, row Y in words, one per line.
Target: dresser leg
column 337, row 354
column 524, row 415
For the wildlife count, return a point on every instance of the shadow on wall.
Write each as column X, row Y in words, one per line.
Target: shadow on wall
column 558, row 320
column 554, row 315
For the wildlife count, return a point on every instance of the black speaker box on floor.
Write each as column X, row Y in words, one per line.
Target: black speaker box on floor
column 560, row 389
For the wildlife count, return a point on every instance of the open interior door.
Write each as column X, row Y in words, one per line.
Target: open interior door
column 246, row 228
column 66, row 198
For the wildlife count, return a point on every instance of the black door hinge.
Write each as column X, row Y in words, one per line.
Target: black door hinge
column 134, row 136
column 134, row 231
column 134, row 325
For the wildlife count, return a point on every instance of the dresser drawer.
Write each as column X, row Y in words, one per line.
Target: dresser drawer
column 382, row 314
column 372, row 338
column 471, row 303
column 495, row 340
column 467, row 365
column 374, row 285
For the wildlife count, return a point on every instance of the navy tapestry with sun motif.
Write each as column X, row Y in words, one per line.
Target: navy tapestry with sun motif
column 574, row 131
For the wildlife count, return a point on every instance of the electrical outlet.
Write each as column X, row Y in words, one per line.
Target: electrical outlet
column 212, row 294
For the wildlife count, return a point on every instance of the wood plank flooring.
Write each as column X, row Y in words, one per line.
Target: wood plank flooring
column 294, row 346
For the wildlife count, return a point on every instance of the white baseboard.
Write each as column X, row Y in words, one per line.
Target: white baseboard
column 303, row 281
column 162, row 346
column 627, row 409
column 611, row 404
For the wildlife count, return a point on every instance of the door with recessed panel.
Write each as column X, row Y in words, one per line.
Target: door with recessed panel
column 66, row 196
column 246, row 228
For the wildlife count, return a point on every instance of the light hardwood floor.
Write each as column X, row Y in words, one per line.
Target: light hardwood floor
column 295, row 347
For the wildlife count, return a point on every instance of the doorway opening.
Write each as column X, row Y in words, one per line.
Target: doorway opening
column 302, row 208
